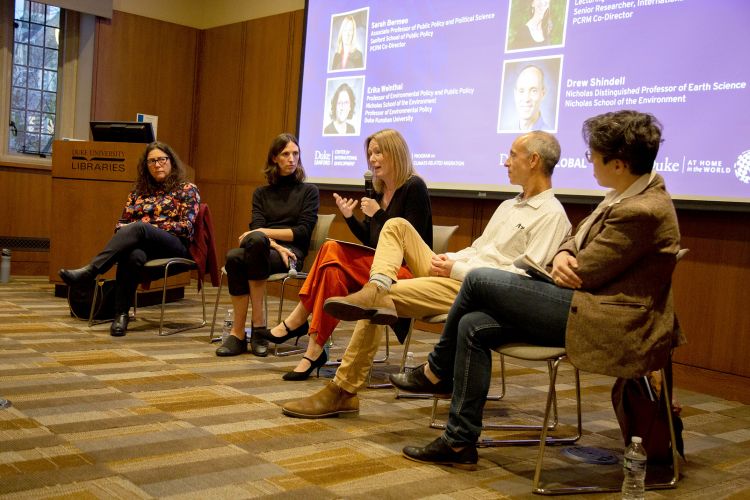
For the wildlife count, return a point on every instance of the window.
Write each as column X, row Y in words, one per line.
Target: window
column 34, row 81
column 46, row 61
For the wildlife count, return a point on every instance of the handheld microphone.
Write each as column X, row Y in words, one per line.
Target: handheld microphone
column 369, row 189
column 292, row 267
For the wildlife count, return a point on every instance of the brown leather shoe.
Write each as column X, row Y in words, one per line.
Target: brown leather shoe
column 372, row 302
column 330, row 401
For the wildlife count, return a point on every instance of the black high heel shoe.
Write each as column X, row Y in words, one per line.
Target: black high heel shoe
column 290, row 334
column 314, row 363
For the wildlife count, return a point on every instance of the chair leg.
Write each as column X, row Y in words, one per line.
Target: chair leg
column 537, row 488
column 434, row 424
column 193, row 326
column 163, row 298
column 386, row 385
column 94, row 300
column 291, row 351
column 216, row 306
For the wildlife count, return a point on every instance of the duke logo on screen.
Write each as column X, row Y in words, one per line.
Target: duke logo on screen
column 742, row 167
column 323, row 157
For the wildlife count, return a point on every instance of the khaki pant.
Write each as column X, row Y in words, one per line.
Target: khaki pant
column 414, row 298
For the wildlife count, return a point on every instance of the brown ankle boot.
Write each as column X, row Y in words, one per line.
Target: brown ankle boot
column 330, row 401
column 372, row 302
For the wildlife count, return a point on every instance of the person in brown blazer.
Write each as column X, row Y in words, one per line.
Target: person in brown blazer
column 610, row 304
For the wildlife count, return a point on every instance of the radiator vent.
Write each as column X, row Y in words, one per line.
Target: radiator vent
column 25, row 244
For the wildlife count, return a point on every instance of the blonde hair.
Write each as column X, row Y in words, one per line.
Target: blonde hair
column 393, row 147
column 340, row 38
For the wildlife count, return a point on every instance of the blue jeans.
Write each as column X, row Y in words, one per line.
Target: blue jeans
column 492, row 308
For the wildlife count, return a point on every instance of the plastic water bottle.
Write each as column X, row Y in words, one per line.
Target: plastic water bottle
column 5, row 266
column 292, row 267
column 327, row 347
column 410, row 364
column 634, row 470
column 228, row 322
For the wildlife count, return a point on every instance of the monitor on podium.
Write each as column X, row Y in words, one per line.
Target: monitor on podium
column 116, row 131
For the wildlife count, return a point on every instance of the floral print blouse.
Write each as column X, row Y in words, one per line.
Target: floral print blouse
column 173, row 212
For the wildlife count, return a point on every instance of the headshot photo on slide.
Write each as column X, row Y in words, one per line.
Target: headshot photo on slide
column 348, row 40
column 529, row 94
column 536, row 24
column 343, row 106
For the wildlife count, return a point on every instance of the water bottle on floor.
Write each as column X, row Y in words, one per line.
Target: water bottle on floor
column 228, row 322
column 634, row 470
column 410, row 364
column 5, row 266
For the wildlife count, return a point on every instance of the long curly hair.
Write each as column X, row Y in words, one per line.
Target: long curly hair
column 146, row 184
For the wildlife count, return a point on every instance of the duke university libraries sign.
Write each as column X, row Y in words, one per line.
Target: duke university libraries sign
column 114, row 161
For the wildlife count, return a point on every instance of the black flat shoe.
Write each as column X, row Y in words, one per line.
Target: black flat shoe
column 314, row 363
column 438, row 452
column 232, row 346
column 119, row 326
column 301, row 330
column 416, row 381
column 258, row 342
column 77, row 276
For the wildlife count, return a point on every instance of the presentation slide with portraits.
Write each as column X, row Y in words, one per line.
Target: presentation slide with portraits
column 342, row 108
column 348, row 40
column 536, row 24
column 461, row 80
column 529, row 94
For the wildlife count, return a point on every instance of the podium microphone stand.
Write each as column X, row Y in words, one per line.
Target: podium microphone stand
column 4, row 403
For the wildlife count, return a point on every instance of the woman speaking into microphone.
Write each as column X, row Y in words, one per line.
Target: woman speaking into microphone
column 339, row 268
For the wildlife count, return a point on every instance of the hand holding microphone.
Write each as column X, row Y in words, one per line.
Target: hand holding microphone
column 369, row 189
column 368, row 205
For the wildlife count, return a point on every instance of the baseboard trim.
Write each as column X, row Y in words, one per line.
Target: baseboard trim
column 719, row 384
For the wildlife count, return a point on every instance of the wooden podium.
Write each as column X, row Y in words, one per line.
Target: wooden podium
column 90, row 185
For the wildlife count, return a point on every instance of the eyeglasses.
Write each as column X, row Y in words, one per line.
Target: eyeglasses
column 161, row 160
column 605, row 159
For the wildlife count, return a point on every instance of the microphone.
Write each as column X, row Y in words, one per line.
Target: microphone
column 369, row 189
column 292, row 267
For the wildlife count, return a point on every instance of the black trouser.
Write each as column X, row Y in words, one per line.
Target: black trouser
column 130, row 247
column 254, row 260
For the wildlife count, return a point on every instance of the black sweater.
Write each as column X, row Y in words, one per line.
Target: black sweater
column 288, row 204
column 411, row 201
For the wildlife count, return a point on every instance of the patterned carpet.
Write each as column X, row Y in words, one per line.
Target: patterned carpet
column 143, row 416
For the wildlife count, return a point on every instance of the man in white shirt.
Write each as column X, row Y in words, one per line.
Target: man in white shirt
column 534, row 223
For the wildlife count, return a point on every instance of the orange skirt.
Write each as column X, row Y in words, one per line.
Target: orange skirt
column 338, row 270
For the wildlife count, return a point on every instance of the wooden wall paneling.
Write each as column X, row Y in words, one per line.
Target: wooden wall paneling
column 219, row 94
column 26, row 213
column 294, row 59
column 243, row 205
column 219, row 196
column 148, row 66
column 123, row 45
column 96, row 215
column 709, row 291
column 265, row 91
column 24, row 203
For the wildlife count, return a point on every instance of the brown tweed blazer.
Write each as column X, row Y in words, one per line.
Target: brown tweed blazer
column 621, row 321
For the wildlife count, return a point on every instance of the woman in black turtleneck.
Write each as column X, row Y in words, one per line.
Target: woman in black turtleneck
column 284, row 216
